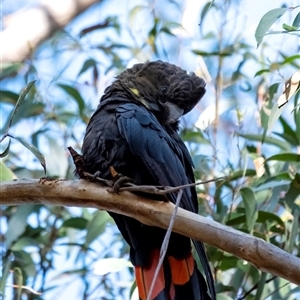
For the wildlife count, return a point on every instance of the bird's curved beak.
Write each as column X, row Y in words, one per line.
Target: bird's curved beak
column 175, row 112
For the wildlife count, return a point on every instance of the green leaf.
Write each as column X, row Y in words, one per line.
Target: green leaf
column 236, row 221
column 284, row 177
column 24, row 261
column 167, row 26
column 9, row 69
column 296, row 21
column 228, row 262
column 201, row 163
column 297, row 122
column 9, row 97
column 289, row 27
column 133, row 290
column 238, row 174
column 266, row 22
column 265, row 115
column 287, row 157
column 6, row 266
column 195, row 137
column 75, row 95
column 16, row 224
column 289, row 132
column 33, row 150
column 290, row 59
column 249, row 200
column 224, row 53
column 261, row 72
column 6, row 151
column 134, row 12
column 274, row 183
column 19, row 281
column 21, row 98
column 293, row 193
column 221, row 288
column 87, row 64
column 264, row 216
column 77, row 223
column 205, row 10
column 29, row 108
column 261, row 286
column 224, row 297
column 272, row 90
column 294, row 231
column 23, row 242
column 96, row 226
column 6, row 174
column 269, row 140
column 275, row 114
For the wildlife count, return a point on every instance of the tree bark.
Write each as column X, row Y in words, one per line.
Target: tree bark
column 27, row 29
column 261, row 254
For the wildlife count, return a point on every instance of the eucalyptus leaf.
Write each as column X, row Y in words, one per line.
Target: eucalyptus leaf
column 17, row 223
column 295, row 231
column 205, row 10
column 24, row 261
column 296, row 21
column 18, row 276
column 9, row 97
column 290, row 157
column 76, row 222
column 249, row 200
column 23, row 242
column 6, row 266
column 6, row 151
column 87, row 64
column 75, row 95
column 33, row 150
column 266, row 22
column 268, row 140
column 21, row 99
column 6, row 174
column 96, row 226
column 289, row 27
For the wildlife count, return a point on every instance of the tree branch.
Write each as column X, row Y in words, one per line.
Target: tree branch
column 261, row 254
column 26, row 29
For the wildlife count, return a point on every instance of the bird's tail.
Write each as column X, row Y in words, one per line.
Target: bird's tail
column 177, row 279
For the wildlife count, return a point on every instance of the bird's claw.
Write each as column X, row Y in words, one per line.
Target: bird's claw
column 119, row 180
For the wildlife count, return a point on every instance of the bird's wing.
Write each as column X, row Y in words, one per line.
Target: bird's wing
column 161, row 155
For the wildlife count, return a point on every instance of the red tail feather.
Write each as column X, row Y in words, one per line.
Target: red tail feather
column 181, row 272
column 144, row 277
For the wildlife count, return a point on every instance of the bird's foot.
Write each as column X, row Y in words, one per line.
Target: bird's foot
column 119, row 180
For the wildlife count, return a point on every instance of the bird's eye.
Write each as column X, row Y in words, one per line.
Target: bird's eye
column 164, row 89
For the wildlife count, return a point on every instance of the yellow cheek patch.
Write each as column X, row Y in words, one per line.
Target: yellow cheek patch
column 135, row 91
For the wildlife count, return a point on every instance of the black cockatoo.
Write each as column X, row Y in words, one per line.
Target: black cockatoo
column 134, row 130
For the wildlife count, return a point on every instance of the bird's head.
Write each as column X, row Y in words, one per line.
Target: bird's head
column 165, row 89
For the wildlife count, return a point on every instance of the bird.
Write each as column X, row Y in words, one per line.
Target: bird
column 134, row 130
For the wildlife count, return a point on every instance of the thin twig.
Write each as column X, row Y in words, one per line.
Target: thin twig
column 165, row 243
column 24, row 287
column 254, row 288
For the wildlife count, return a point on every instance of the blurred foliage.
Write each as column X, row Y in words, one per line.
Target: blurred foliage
column 54, row 251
